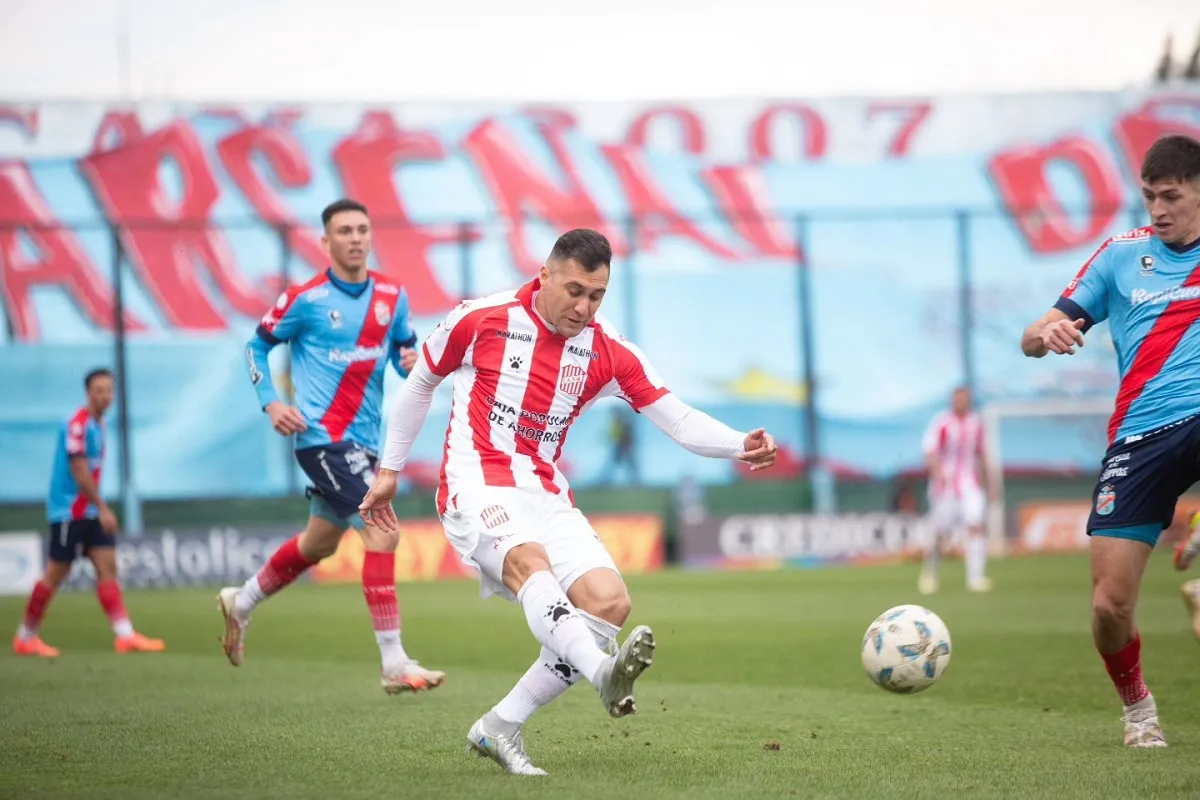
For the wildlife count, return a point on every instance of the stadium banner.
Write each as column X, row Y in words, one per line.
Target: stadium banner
column 1061, row 526
column 191, row 557
column 773, row 541
column 21, row 561
column 636, row 542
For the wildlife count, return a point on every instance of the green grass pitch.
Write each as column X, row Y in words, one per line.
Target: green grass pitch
column 744, row 661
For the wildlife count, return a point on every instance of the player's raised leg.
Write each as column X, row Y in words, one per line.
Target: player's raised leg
column 108, row 591
column 1119, row 558
column 398, row 672
column 27, row 642
column 318, row 540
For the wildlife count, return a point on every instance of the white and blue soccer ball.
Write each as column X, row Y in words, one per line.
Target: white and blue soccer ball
column 906, row 649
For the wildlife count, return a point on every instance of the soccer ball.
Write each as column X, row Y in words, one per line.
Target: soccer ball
column 906, row 649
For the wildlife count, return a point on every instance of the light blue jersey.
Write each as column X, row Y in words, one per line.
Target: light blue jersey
column 1150, row 294
column 342, row 335
column 81, row 436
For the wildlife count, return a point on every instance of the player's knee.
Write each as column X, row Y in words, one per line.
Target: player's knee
column 1111, row 610
column 614, row 608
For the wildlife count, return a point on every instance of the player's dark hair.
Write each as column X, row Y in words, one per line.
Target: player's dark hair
column 1172, row 158
column 585, row 247
column 338, row 206
column 101, row 372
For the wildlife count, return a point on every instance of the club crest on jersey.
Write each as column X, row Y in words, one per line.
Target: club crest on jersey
column 335, row 318
column 383, row 314
column 1147, row 266
column 571, row 380
column 1106, row 500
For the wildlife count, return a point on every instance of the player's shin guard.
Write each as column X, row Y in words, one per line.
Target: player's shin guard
column 1125, row 669
column 548, row 678
column 109, row 595
column 558, row 625
column 379, row 589
column 35, row 609
column 284, row 566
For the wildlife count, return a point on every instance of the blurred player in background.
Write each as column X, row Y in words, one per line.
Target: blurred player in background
column 1147, row 284
column 344, row 326
column 524, row 365
column 81, row 522
column 1185, row 554
column 953, row 447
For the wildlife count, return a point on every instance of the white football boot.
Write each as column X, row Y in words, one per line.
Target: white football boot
column 1189, row 548
column 507, row 751
column 234, row 639
column 1142, row 728
column 618, row 672
column 412, row 677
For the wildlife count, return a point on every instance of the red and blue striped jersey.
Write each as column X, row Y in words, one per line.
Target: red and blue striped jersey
column 1150, row 294
column 81, row 435
column 341, row 337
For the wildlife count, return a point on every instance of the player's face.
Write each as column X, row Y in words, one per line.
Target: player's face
column 1174, row 209
column 960, row 401
column 571, row 295
column 100, row 394
column 347, row 240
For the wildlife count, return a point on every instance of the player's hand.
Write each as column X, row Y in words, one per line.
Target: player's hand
column 1063, row 336
column 286, row 420
column 408, row 358
column 758, row 450
column 108, row 520
column 376, row 508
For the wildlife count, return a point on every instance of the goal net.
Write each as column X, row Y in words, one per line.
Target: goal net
column 1045, row 450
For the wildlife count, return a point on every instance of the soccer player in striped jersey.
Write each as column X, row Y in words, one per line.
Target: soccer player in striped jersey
column 344, row 326
column 524, row 366
column 953, row 447
column 1146, row 283
column 81, row 522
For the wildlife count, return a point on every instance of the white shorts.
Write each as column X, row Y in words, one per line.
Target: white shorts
column 484, row 523
column 952, row 511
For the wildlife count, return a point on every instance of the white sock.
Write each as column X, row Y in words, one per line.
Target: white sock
column 123, row 627
column 547, row 678
column 249, row 596
column 933, row 556
column 24, row 632
column 391, row 651
column 976, row 557
column 558, row 625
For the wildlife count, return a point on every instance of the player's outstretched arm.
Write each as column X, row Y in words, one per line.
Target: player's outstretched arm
column 1055, row 332
column 703, row 435
column 408, row 415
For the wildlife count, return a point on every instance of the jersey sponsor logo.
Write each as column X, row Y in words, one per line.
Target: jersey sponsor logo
column 1140, row 297
column 1133, row 235
column 313, row 295
column 387, row 288
column 571, row 380
column 582, row 352
column 357, row 354
column 383, row 314
column 515, row 336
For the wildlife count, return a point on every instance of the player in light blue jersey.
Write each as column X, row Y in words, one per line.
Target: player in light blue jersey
column 343, row 327
column 1146, row 283
column 81, row 522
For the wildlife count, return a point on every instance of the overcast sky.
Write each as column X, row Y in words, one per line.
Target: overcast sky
column 542, row 49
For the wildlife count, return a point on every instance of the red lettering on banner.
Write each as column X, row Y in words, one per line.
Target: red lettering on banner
column 551, row 117
column 652, row 209
column 519, row 189
column 26, row 119
column 365, row 160
column 911, row 116
column 60, row 261
column 288, row 163
column 168, row 239
column 742, row 197
column 1020, row 177
column 1135, row 132
column 812, row 127
column 690, row 129
column 116, row 129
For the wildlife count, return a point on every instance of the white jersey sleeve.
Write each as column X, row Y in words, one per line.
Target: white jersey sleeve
column 694, row 430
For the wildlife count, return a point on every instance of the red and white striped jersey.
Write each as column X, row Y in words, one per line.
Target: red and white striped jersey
column 518, row 386
column 958, row 444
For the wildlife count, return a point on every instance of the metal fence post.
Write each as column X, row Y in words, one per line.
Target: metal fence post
column 820, row 479
column 966, row 314
column 131, row 505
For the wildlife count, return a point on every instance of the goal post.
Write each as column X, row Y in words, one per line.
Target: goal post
column 1055, row 426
